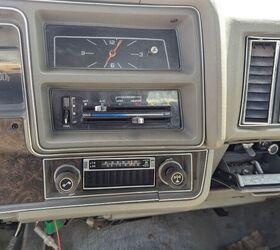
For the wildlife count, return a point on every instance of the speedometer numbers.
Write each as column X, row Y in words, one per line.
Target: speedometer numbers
column 118, row 53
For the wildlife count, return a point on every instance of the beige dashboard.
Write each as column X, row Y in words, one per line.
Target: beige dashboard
column 133, row 105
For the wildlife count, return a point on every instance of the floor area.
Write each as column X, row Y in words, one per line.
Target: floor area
column 196, row 230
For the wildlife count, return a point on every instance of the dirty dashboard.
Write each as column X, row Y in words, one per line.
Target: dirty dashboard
column 137, row 108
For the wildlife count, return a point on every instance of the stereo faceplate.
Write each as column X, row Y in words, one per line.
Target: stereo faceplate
column 164, row 176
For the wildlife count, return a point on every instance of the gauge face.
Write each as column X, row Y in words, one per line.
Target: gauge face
column 110, row 53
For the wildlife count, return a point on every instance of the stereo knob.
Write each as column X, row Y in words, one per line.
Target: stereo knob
column 172, row 174
column 67, row 179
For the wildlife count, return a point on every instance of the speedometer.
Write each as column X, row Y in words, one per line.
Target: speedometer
column 133, row 49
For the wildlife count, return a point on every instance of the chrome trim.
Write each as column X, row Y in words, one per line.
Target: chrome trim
column 66, row 151
column 273, row 83
column 248, row 50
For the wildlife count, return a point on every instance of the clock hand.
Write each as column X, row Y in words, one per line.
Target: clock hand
column 113, row 53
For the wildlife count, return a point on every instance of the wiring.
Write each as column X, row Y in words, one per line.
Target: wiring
column 14, row 240
column 18, row 229
column 48, row 240
column 57, row 236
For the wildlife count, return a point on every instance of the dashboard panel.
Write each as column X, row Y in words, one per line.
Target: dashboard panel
column 187, row 81
column 102, row 124
column 114, row 109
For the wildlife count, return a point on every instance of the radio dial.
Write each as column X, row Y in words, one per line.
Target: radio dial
column 172, row 174
column 67, row 179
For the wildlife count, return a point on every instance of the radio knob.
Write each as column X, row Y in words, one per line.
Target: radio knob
column 67, row 179
column 172, row 174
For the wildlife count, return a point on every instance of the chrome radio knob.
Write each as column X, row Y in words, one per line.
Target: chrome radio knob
column 172, row 174
column 67, row 179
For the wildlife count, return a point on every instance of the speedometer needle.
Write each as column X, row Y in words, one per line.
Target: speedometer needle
column 113, row 53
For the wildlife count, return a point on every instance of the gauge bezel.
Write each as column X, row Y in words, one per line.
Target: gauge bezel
column 167, row 36
column 133, row 67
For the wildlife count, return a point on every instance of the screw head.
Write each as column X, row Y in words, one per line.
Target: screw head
column 14, row 126
column 154, row 50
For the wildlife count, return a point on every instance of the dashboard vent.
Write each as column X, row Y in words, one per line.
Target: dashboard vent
column 259, row 82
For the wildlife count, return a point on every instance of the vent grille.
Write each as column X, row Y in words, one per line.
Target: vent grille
column 259, row 82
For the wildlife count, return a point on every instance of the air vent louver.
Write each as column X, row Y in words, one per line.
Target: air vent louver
column 259, row 81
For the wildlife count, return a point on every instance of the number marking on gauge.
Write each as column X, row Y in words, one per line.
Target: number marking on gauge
column 91, row 42
column 131, row 43
column 83, row 53
column 105, row 42
column 140, row 54
column 119, row 65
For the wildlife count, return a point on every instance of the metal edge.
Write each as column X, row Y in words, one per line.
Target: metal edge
column 273, row 82
column 67, row 151
column 248, row 49
column 245, row 80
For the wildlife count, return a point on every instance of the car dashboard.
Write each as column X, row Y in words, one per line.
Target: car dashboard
column 136, row 108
